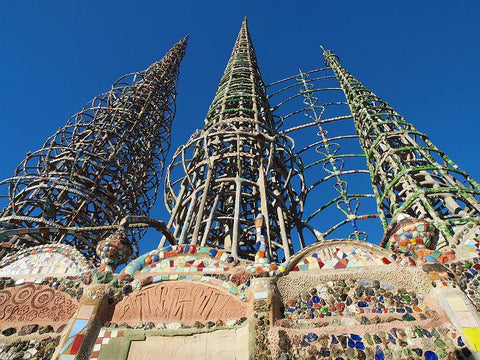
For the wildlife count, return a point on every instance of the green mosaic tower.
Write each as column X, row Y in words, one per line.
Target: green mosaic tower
column 409, row 174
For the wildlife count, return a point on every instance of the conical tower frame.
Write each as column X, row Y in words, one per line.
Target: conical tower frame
column 104, row 164
column 238, row 168
column 410, row 175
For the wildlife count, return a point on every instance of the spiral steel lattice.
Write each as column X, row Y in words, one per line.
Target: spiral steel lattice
column 104, row 164
column 236, row 169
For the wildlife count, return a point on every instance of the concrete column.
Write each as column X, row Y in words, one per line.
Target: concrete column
column 79, row 338
column 265, row 310
column 462, row 314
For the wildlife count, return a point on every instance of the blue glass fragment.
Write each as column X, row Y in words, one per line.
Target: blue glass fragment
column 359, row 345
column 430, row 355
column 379, row 354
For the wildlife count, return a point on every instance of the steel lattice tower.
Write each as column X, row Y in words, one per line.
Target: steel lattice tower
column 103, row 165
column 409, row 173
column 236, row 169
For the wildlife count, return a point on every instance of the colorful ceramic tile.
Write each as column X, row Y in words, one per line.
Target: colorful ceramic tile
column 473, row 337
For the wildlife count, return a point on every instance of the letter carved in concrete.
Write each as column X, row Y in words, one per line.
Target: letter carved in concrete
column 183, row 302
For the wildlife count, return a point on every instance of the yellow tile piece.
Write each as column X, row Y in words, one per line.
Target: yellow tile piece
column 473, row 337
column 434, row 276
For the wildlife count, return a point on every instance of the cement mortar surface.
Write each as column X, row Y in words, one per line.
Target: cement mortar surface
column 234, row 346
column 294, row 283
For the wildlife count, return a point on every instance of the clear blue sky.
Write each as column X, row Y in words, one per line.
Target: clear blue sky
column 421, row 56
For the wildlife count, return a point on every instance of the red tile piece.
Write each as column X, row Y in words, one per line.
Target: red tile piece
column 76, row 344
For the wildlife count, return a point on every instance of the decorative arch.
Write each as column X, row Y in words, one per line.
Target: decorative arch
column 192, row 263
column 181, row 259
column 49, row 259
column 339, row 254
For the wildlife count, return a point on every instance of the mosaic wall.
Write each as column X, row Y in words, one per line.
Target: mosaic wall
column 185, row 258
column 262, row 325
column 194, row 293
column 29, row 349
column 441, row 342
column 410, row 234
column 186, row 262
column 351, row 297
column 472, row 244
column 74, row 340
column 468, row 277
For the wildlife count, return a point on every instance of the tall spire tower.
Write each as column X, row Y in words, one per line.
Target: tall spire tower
column 103, row 165
column 236, row 170
column 410, row 175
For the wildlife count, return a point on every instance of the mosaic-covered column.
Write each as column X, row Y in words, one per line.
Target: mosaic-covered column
column 78, row 341
column 265, row 307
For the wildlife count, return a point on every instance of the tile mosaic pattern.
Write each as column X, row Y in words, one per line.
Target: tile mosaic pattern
column 272, row 269
column 352, row 297
column 415, row 342
column 410, row 234
column 181, row 259
column 341, row 257
column 187, row 262
column 472, row 245
column 422, row 255
column 42, row 263
column 468, row 277
column 46, row 259
column 104, row 338
column 76, row 333
column 29, row 349
column 113, row 250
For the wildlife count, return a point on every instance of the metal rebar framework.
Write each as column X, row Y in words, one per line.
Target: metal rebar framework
column 104, row 164
column 409, row 174
column 235, row 169
column 312, row 109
